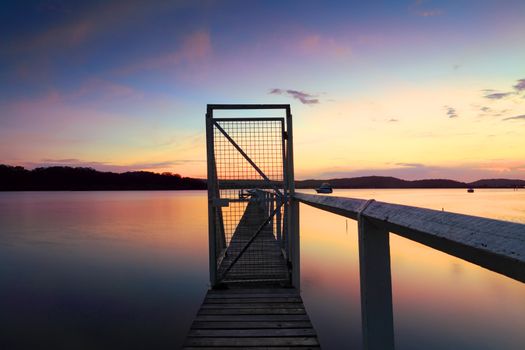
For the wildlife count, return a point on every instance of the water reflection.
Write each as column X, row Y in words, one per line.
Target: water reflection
column 129, row 270
column 100, row 270
column 439, row 301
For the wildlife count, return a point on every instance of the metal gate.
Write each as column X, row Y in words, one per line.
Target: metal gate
column 250, row 179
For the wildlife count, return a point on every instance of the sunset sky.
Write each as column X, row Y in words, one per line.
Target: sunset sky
column 412, row 89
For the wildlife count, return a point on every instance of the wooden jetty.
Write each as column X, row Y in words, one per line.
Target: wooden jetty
column 263, row 260
column 254, row 300
column 259, row 310
column 253, row 221
column 252, row 317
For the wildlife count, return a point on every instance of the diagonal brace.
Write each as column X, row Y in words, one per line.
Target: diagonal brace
column 252, row 238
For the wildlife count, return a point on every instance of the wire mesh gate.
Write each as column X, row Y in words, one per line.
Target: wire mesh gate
column 250, row 179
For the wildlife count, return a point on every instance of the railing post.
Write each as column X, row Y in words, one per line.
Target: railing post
column 212, row 232
column 295, row 243
column 293, row 214
column 376, row 286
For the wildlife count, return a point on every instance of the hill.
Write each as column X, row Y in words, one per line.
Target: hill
column 88, row 179
column 498, row 183
column 382, row 182
column 16, row 178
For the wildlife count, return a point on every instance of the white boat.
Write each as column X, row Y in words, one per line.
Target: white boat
column 324, row 188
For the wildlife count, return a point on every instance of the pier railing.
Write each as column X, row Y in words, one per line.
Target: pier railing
column 494, row 244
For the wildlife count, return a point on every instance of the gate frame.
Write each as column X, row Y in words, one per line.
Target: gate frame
column 289, row 182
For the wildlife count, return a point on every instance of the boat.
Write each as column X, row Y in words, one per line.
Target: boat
column 470, row 190
column 324, row 188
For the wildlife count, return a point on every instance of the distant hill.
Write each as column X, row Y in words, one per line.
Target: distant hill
column 392, row 182
column 87, row 179
column 15, row 178
column 381, row 182
column 498, row 183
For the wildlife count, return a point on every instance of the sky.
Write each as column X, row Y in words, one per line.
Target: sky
column 412, row 89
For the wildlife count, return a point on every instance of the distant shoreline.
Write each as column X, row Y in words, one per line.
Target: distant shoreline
column 13, row 178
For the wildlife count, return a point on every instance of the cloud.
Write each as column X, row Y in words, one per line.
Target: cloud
column 319, row 44
column 498, row 95
column 193, row 48
column 520, row 85
column 97, row 89
column 518, row 117
column 302, row 96
column 410, row 165
column 393, row 120
column 82, row 23
column 419, row 8
column 107, row 166
column 451, row 112
column 430, row 13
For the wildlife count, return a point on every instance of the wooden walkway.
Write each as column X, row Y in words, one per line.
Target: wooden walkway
column 254, row 318
column 263, row 260
column 255, row 307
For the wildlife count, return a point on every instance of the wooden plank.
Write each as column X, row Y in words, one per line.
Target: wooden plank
column 250, row 325
column 259, row 341
column 252, row 306
column 254, row 318
column 244, row 333
column 253, row 300
column 254, row 348
column 251, row 295
column 261, row 311
column 270, row 291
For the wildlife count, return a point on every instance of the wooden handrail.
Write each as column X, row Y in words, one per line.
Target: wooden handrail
column 494, row 244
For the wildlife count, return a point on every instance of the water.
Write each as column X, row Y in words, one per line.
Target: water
column 93, row 270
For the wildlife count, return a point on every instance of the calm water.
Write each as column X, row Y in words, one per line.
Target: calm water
column 92, row 270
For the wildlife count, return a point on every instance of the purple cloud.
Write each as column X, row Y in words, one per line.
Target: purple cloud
column 410, row 165
column 451, row 112
column 302, row 96
column 418, row 8
column 516, row 117
column 520, row 85
column 498, row 95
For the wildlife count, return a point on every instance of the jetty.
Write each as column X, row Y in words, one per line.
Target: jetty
column 254, row 299
column 256, row 306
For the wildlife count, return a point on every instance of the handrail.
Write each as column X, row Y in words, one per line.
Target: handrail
column 494, row 244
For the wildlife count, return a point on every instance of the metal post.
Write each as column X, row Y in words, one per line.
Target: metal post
column 278, row 222
column 271, row 199
column 376, row 286
column 293, row 217
column 212, row 240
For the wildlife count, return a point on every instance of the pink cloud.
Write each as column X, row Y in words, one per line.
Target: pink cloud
column 102, row 90
column 109, row 166
column 317, row 44
column 194, row 47
column 419, row 8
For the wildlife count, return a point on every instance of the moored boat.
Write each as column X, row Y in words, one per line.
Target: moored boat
column 324, row 188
